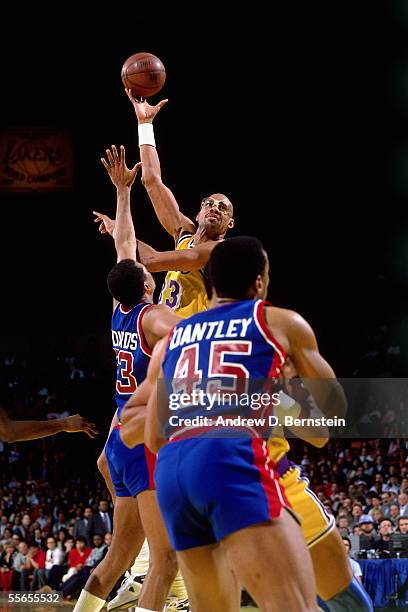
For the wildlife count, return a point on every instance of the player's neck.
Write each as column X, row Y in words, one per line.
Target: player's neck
column 202, row 235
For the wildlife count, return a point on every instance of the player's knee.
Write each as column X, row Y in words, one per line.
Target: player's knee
column 164, row 562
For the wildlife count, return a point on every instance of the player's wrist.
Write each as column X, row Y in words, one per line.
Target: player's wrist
column 146, row 134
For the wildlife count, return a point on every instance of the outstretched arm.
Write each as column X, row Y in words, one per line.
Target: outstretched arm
column 16, row 431
column 163, row 200
column 123, row 179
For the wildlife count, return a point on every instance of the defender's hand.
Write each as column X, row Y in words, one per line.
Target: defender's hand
column 76, row 423
column 107, row 225
column 119, row 173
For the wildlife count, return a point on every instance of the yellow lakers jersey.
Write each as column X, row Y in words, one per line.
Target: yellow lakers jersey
column 184, row 292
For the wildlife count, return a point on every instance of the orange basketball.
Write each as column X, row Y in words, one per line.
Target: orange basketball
column 144, row 74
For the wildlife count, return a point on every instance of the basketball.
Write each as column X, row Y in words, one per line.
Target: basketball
column 144, row 74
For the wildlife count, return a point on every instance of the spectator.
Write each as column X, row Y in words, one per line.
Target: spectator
column 61, row 537
column 7, row 537
column 403, row 504
column 54, row 557
column 60, row 524
column 357, row 513
column 18, row 529
column 368, row 535
column 402, row 525
column 384, row 531
column 355, row 567
column 35, row 561
column 386, row 500
column 101, row 522
column 343, row 526
column 77, row 558
column 6, row 567
column 37, row 539
column 19, row 565
column 25, row 526
column 392, row 485
column 81, row 526
column 394, row 513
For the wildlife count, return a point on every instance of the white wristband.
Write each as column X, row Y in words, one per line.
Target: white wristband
column 146, row 134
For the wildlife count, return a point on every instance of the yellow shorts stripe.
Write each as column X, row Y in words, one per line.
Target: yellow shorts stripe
column 316, row 523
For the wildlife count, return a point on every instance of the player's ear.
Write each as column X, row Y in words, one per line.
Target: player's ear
column 259, row 284
column 231, row 223
column 148, row 289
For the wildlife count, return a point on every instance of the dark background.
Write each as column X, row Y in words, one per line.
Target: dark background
column 298, row 115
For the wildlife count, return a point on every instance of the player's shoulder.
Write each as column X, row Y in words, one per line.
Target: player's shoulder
column 287, row 322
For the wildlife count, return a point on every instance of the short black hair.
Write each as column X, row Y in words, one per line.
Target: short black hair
column 234, row 266
column 347, row 539
column 126, row 282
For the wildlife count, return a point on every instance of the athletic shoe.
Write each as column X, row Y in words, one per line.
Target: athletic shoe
column 127, row 595
column 173, row 604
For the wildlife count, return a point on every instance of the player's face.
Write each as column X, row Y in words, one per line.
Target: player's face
column 216, row 214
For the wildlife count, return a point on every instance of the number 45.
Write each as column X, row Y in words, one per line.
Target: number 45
column 187, row 374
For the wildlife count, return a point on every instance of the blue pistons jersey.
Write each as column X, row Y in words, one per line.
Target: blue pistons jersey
column 224, row 352
column 132, row 352
column 218, row 353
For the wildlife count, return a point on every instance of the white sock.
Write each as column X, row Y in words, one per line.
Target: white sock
column 144, row 610
column 88, row 603
column 141, row 565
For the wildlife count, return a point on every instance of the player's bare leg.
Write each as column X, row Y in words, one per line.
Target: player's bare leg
column 162, row 562
column 272, row 562
column 127, row 540
column 103, row 464
column 338, row 589
column 322, row 553
column 211, row 585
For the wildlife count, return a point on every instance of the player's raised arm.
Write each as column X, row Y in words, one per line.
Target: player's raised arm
column 123, row 178
column 162, row 198
column 17, row 431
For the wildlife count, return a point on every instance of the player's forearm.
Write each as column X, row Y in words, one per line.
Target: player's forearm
column 18, row 431
column 124, row 234
column 162, row 261
column 329, row 396
column 132, row 430
column 151, row 170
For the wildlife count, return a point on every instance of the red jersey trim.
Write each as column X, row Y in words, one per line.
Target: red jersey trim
column 143, row 342
column 124, row 310
column 260, row 322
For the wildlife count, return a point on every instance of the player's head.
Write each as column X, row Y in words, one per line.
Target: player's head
column 130, row 282
column 239, row 269
column 216, row 215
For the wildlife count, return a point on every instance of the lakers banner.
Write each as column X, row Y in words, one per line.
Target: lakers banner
column 35, row 159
